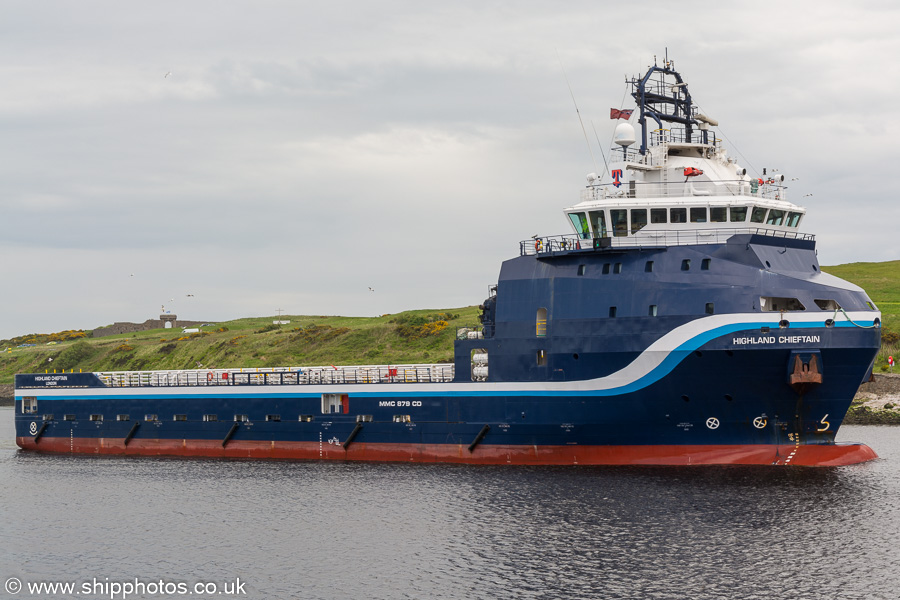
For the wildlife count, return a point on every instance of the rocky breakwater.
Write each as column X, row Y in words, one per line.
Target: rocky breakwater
column 877, row 402
column 7, row 394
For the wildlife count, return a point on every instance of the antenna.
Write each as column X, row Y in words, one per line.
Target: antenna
column 602, row 154
column 591, row 152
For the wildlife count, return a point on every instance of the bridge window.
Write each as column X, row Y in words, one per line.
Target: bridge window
column 581, row 269
column 619, row 219
column 775, row 217
column 758, row 215
column 638, row 219
column 678, row 215
column 698, row 214
column 648, row 268
column 29, row 405
column 738, row 214
column 657, row 215
column 606, row 268
column 718, row 214
column 598, row 223
column 617, row 268
column 540, row 322
column 653, row 310
column 793, row 219
column 775, row 304
column 704, row 264
column 686, row 264
column 579, row 222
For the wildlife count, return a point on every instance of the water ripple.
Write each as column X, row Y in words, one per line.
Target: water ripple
column 334, row 531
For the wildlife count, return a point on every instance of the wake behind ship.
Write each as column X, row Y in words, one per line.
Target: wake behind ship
column 683, row 320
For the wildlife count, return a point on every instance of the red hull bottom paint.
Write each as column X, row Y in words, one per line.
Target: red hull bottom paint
column 831, row 455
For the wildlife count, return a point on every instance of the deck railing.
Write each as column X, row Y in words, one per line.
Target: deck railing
column 433, row 373
column 678, row 188
column 555, row 244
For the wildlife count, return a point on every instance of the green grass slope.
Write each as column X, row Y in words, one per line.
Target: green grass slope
column 418, row 336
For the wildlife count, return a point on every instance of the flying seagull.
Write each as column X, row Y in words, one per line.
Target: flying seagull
column 167, row 74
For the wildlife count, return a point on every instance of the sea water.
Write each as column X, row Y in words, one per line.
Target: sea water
column 113, row 527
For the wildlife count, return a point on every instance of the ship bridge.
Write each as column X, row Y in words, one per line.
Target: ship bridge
column 679, row 187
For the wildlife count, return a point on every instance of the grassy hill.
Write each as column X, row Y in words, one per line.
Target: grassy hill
column 418, row 336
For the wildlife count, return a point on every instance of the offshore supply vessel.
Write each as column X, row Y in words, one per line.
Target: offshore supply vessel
column 684, row 319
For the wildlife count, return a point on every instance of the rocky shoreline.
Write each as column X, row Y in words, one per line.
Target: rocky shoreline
column 876, row 403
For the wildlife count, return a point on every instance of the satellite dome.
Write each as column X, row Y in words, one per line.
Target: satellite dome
column 624, row 135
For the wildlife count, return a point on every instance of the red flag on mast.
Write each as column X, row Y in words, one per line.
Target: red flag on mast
column 615, row 113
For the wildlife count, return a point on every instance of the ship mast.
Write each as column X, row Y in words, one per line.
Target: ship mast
column 664, row 102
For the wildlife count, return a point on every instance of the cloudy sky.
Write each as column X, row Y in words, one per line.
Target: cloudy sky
column 290, row 155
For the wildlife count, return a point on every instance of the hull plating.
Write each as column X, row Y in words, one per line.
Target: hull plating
column 762, row 454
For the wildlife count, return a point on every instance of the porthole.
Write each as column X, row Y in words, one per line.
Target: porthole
column 784, row 324
column 686, row 398
column 728, row 397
